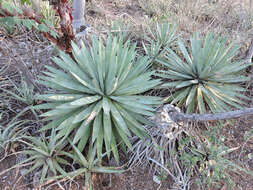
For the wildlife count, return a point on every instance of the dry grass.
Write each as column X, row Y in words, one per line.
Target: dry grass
column 232, row 18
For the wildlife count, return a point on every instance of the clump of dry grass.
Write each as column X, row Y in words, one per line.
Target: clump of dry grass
column 230, row 17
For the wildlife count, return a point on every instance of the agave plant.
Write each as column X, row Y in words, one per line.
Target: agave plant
column 121, row 29
column 9, row 135
column 97, row 95
column 24, row 94
column 205, row 77
column 87, row 165
column 159, row 39
column 45, row 154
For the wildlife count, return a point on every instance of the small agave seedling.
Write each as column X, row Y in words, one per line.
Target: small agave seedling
column 159, row 39
column 87, row 165
column 9, row 135
column 46, row 154
column 24, row 94
column 121, row 29
column 97, row 95
column 205, row 77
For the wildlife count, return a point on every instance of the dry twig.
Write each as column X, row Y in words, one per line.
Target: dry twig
column 177, row 116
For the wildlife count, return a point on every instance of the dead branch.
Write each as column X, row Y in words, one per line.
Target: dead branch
column 177, row 116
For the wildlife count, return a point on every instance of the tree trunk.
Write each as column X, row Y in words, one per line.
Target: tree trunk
column 78, row 14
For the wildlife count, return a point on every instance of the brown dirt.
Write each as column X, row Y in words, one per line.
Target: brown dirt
column 11, row 180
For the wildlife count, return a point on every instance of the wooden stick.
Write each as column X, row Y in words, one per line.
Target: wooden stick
column 177, row 116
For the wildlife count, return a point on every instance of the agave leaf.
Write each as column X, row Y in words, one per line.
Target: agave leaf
column 187, row 83
column 176, row 75
column 132, row 120
column 92, row 89
column 191, row 95
column 124, row 72
column 190, row 107
column 64, row 132
column 66, row 123
column 220, row 94
column 200, row 98
column 106, row 170
column 233, row 102
column 79, row 102
column 123, row 136
column 59, row 168
column 53, row 71
column 69, row 65
column 236, row 67
column 84, row 60
column 59, row 97
column 92, row 154
column 85, row 136
column 44, row 173
column 131, row 83
column 96, row 127
column 40, row 151
column 57, row 112
column 99, row 61
column 106, row 106
column 211, row 100
column 94, row 112
column 142, row 66
column 99, row 142
column 136, row 89
column 83, row 114
column 206, row 72
column 113, row 68
column 207, row 50
column 183, row 93
column 147, row 100
column 62, row 161
column 132, row 103
column 56, row 86
column 51, row 165
column 35, row 141
column 125, row 59
column 184, row 51
column 82, row 133
column 31, row 160
column 67, row 83
column 35, row 166
column 114, row 86
column 118, row 119
column 177, row 63
column 230, row 79
column 137, row 110
column 221, row 105
column 196, row 43
column 114, row 146
column 107, row 132
column 80, row 156
column 229, row 53
column 56, row 121
column 223, row 90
